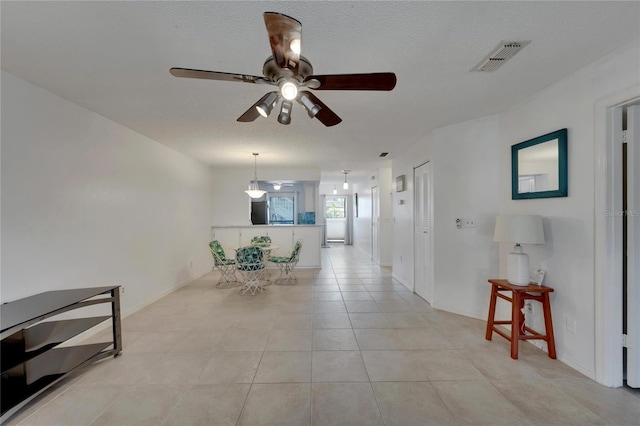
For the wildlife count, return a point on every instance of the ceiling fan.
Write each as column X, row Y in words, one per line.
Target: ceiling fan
column 293, row 74
column 279, row 185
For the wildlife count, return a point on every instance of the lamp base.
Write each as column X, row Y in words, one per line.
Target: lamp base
column 518, row 267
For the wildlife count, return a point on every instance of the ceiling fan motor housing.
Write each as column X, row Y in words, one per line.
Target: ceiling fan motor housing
column 273, row 72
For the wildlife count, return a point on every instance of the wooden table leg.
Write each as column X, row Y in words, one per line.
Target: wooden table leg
column 492, row 311
column 548, row 325
column 515, row 323
column 116, row 325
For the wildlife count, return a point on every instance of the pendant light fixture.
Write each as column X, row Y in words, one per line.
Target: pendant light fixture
column 335, row 190
column 254, row 190
column 345, row 185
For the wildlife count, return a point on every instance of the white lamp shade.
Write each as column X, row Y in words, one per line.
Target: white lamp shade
column 519, row 229
column 255, row 193
column 254, row 190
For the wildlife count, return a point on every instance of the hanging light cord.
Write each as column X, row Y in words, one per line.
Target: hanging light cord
column 255, row 168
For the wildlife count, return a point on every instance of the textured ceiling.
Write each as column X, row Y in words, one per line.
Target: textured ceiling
column 114, row 58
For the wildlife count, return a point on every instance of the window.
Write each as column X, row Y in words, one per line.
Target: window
column 334, row 208
column 282, row 209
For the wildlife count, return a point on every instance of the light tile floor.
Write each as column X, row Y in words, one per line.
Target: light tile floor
column 348, row 345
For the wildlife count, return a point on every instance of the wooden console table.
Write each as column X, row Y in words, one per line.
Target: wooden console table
column 31, row 359
column 518, row 328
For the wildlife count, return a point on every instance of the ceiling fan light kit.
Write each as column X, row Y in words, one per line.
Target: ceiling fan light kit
column 285, row 112
column 267, row 103
column 311, row 107
column 292, row 73
column 288, row 89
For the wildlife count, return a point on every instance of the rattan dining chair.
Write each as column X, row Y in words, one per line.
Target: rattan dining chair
column 287, row 264
column 226, row 266
column 261, row 240
column 250, row 263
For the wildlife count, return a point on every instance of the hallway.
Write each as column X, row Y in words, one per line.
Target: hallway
column 347, row 345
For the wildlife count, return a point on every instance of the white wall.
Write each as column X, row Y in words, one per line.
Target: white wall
column 362, row 236
column 471, row 165
column 569, row 253
column 402, row 253
column 336, row 229
column 87, row 202
column 229, row 184
column 385, row 190
column 465, row 185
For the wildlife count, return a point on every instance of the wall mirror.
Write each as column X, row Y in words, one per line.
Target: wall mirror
column 539, row 167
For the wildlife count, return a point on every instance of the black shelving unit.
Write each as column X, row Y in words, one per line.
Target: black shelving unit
column 31, row 358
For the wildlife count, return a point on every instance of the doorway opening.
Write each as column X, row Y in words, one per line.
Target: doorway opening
column 630, row 245
column 617, row 266
column 336, row 219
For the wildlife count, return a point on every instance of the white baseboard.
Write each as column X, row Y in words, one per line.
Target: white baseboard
column 403, row 282
column 473, row 315
column 129, row 311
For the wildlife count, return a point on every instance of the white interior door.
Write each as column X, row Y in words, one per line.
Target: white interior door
column 375, row 224
column 633, row 246
column 423, row 256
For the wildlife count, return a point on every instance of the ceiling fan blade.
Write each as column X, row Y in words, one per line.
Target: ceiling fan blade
column 325, row 115
column 217, row 75
column 284, row 38
column 252, row 113
column 372, row 81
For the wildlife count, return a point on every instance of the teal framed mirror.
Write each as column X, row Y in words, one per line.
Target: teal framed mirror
column 539, row 167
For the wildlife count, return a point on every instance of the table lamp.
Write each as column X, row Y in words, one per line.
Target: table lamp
column 518, row 229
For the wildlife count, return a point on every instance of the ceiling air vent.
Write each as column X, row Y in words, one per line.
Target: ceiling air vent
column 498, row 56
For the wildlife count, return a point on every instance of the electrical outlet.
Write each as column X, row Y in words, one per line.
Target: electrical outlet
column 122, row 289
column 469, row 222
column 528, row 308
column 570, row 325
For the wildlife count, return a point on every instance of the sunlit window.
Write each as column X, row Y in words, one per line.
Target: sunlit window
column 281, row 209
column 334, row 208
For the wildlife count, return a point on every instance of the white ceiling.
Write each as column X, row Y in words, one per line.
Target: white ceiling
column 114, row 58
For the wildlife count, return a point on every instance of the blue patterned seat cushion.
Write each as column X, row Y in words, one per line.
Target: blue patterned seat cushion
column 250, row 259
column 296, row 249
column 290, row 258
column 261, row 241
column 220, row 257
